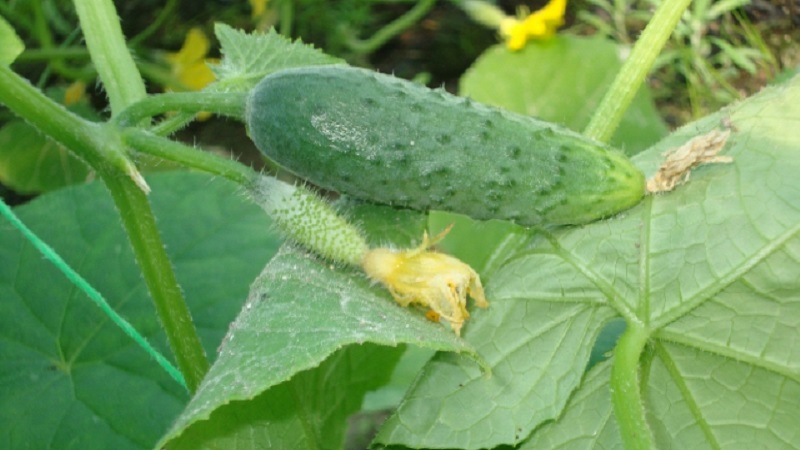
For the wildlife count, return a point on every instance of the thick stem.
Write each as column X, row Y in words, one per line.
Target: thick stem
column 226, row 104
column 626, row 391
column 630, row 78
column 110, row 55
column 138, row 220
column 89, row 141
column 164, row 148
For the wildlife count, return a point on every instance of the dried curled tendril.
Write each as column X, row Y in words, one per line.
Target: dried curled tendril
column 679, row 162
column 423, row 277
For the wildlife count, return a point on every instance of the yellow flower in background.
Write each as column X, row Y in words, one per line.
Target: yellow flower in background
column 258, row 8
column 517, row 31
column 75, row 93
column 541, row 24
column 189, row 64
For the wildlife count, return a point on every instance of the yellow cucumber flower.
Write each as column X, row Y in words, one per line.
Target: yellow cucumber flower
column 423, row 277
column 517, row 31
column 258, row 8
column 189, row 64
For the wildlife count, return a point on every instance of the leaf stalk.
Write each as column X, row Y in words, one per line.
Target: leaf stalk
column 631, row 76
column 626, row 391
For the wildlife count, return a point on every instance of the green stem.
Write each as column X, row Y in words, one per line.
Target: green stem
column 166, row 11
column 157, row 271
column 44, row 36
column 226, row 104
column 110, row 55
column 626, row 391
column 630, row 78
column 286, row 17
column 172, row 124
column 46, row 54
column 392, row 29
column 145, row 142
column 89, row 141
column 76, row 279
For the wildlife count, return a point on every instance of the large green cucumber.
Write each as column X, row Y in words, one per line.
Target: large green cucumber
column 380, row 138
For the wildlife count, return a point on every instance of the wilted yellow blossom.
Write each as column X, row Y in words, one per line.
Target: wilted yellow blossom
column 517, row 31
column 423, row 277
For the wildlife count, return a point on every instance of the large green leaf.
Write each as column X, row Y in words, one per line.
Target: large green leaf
column 562, row 80
column 70, row 378
column 710, row 269
column 533, row 348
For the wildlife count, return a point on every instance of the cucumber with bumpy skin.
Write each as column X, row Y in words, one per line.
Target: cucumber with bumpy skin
column 387, row 140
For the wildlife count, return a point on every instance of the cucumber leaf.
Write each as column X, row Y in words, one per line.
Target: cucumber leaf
column 247, row 58
column 71, row 379
column 562, row 80
column 711, row 269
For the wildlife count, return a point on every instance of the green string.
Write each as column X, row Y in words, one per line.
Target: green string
column 93, row 294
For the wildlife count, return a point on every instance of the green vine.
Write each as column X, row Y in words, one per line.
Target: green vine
column 608, row 115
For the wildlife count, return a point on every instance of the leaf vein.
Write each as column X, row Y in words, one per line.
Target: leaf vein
column 724, row 281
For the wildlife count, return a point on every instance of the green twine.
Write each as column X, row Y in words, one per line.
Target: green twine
column 90, row 291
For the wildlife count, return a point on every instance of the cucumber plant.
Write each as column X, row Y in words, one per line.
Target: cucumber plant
column 704, row 279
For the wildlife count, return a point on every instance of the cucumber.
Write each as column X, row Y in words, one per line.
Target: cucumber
column 387, row 140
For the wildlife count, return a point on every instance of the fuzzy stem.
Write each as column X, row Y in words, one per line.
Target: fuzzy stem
column 94, row 143
column 110, row 55
column 609, row 113
column 157, row 271
column 226, row 104
column 164, row 148
column 309, row 220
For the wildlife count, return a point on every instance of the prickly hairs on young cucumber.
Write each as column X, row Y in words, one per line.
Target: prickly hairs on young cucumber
column 383, row 139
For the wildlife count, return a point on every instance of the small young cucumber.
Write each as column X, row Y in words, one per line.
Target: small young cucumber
column 383, row 139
